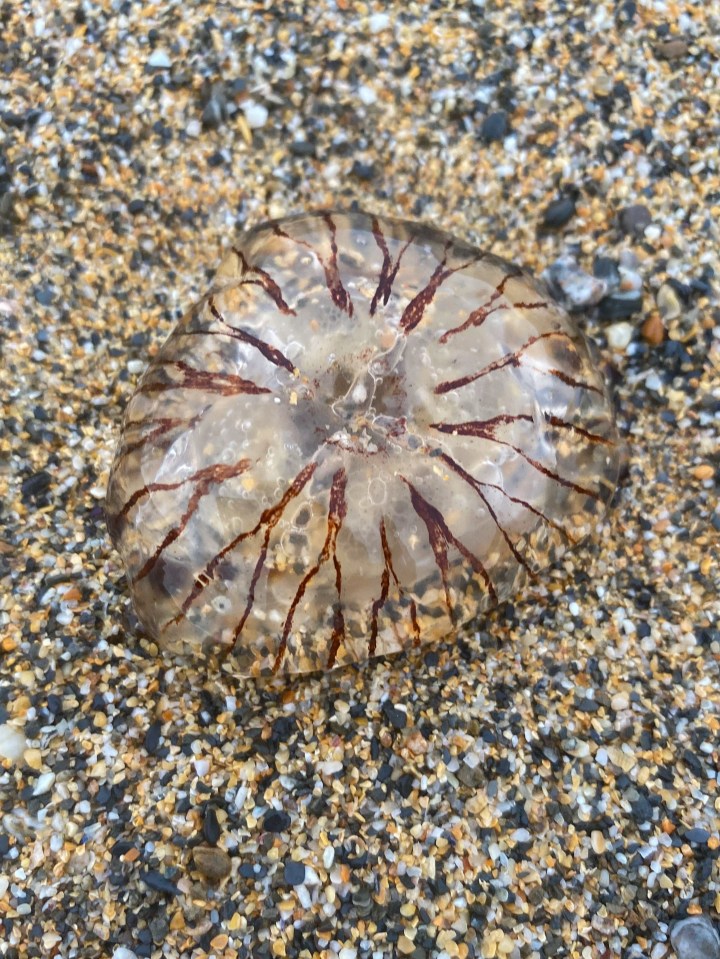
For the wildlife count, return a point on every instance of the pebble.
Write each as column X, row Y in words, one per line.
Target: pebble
column 619, row 306
column 122, row 952
column 43, row 783
column 215, row 864
column 12, row 743
column 634, row 219
column 653, row 330
column 559, row 212
column 672, row 49
column 256, row 115
column 605, row 268
column 697, row 835
column 405, row 946
column 574, row 287
column 619, row 335
column 494, row 127
column 276, row 821
column 668, row 302
column 378, row 22
column 294, row 873
column 159, row 60
column 597, row 841
column 620, row 701
column 695, row 938
column 703, row 472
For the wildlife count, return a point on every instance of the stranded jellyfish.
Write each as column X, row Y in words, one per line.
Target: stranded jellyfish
column 365, row 434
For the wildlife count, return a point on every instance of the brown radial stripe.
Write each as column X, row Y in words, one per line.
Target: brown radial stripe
column 340, row 296
column 204, row 479
column 509, row 359
column 472, row 482
column 440, row 538
column 338, row 633
column 478, row 317
column 223, row 384
column 566, row 378
column 415, row 310
column 270, row 353
column 269, row 518
column 388, row 270
column 336, row 514
column 481, row 430
column 485, row 429
column 161, row 426
column 265, row 281
column 384, row 589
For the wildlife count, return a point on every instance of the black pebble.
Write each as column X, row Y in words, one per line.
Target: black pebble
column 633, row 219
column 619, row 307
column 363, row 171
column 494, row 127
column 302, row 148
column 294, row 873
column 276, row 821
column 211, row 826
column 605, row 268
column 152, row 737
column 559, row 212
column 159, row 883
column 697, row 835
column 396, row 717
column 136, row 206
column 642, row 810
column 44, row 295
column 36, row 485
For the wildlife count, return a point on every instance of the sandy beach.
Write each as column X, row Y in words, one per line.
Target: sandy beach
column 546, row 783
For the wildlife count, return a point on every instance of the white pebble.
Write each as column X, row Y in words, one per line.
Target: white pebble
column 159, row 60
column 43, row 783
column 619, row 335
column 202, row 767
column 653, row 382
column 347, row 952
column 367, row 95
column 12, row 742
column 193, row 128
column 330, row 767
column 521, row 835
column 256, row 115
column 135, row 366
column 122, row 952
column 379, row 22
column 328, row 856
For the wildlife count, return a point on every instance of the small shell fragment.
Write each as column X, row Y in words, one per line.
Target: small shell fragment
column 366, row 434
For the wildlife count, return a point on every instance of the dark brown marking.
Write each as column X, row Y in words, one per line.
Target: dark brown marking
column 336, row 514
column 478, row 317
column 485, row 430
column 384, row 589
column 566, row 378
column 440, row 538
column 224, row 384
column 471, row 481
column 269, row 518
column 161, row 427
column 388, row 270
column 509, row 359
column 265, row 281
column 204, row 479
column 415, row 310
column 340, row 296
column 270, row 353
column 338, row 633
